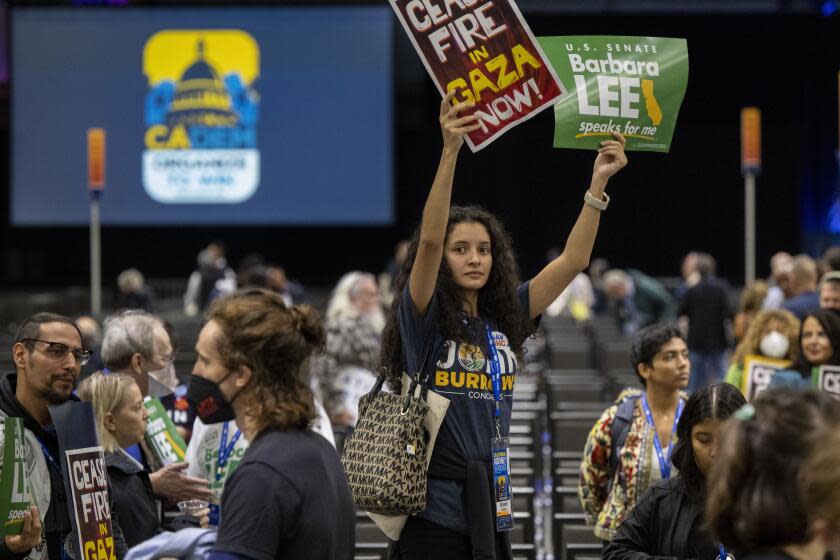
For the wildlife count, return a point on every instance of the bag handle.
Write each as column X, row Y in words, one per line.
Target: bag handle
column 424, row 386
column 380, row 380
column 428, row 358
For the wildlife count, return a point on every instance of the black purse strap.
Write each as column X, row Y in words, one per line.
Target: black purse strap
column 421, row 377
column 380, row 380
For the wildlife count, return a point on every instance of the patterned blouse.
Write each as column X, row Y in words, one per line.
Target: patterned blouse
column 351, row 341
column 606, row 507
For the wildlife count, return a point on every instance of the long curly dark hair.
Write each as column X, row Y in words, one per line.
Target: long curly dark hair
column 497, row 300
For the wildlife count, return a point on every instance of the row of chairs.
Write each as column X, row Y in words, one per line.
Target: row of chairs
column 576, row 406
column 588, row 366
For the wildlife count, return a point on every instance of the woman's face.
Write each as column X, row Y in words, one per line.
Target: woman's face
column 773, row 325
column 704, row 436
column 773, row 340
column 468, row 255
column 816, row 347
column 366, row 295
column 129, row 418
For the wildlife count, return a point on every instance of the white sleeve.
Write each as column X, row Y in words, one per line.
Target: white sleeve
column 321, row 424
column 195, row 450
column 191, row 303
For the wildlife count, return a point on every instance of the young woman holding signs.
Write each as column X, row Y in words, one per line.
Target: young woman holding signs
column 459, row 296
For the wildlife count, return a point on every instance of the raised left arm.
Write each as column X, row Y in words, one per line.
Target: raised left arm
column 546, row 286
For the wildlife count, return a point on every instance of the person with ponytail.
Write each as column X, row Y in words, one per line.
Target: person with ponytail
column 668, row 519
column 251, row 354
column 772, row 492
column 459, row 298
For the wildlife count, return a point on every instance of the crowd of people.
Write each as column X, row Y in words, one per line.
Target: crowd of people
column 681, row 466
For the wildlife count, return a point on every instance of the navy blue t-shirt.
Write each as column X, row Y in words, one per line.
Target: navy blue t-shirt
column 462, row 375
column 289, row 499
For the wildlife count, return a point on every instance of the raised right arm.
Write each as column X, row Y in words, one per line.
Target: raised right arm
column 424, row 272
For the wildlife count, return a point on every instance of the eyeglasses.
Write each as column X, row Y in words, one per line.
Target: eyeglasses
column 59, row 351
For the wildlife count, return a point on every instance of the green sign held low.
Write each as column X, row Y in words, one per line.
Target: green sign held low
column 631, row 85
column 161, row 435
column 14, row 490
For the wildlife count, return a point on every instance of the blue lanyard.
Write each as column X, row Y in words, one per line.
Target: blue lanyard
column 664, row 463
column 225, row 449
column 723, row 554
column 495, row 374
column 49, row 456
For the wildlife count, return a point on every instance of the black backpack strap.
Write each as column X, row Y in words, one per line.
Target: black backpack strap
column 618, row 433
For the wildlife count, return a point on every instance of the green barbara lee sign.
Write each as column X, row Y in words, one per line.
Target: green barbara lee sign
column 14, row 490
column 631, row 85
column 161, row 434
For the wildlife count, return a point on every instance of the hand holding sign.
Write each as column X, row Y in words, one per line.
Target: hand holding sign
column 454, row 127
column 611, row 158
column 30, row 536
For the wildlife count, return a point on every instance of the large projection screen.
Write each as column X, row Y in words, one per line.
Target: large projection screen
column 229, row 116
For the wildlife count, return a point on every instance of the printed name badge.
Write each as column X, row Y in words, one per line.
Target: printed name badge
column 68, row 549
column 501, row 484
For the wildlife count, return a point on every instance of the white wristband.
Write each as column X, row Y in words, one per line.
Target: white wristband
column 589, row 199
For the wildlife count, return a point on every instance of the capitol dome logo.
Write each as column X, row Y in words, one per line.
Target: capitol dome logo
column 201, row 114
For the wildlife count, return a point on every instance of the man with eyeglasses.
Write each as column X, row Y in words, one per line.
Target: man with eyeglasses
column 48, row 357
column 137, row 343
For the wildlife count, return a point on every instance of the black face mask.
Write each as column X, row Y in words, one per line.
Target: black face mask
column 206, row 397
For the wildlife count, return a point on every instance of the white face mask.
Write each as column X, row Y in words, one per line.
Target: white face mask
column 166, row 375
column 774, row 345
